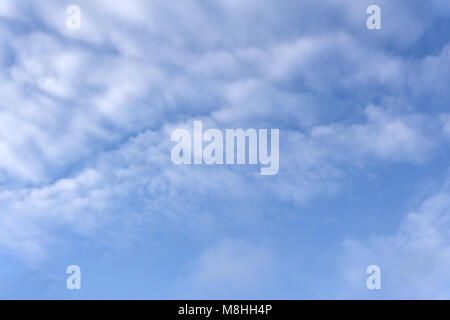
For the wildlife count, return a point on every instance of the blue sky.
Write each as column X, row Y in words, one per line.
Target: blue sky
column 86, row 176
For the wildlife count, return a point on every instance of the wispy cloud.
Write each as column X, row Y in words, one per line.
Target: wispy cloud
column 86, row 117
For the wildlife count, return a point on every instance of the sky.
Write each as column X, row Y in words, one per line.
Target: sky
column 86, row 176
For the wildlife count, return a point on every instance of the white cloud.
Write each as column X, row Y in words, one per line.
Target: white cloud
column 101, row 102
column 445, row 118
column 385, row 135
column 231, row 266
column 414, row 261
column 8, row 9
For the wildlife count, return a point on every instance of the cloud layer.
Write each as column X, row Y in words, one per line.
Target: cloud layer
column 86, row 117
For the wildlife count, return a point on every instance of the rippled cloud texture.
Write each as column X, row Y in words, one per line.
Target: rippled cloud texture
column 86, row 176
